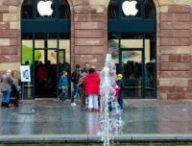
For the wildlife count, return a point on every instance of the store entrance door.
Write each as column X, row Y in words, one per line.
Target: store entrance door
column 131, row 66
column 47, row 72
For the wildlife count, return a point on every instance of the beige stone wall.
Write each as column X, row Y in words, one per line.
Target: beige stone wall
column 174, row 2
column 89, row 32
column 175, row 49
column 9, row 34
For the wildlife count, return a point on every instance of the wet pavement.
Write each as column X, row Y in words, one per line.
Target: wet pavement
column 50, row 117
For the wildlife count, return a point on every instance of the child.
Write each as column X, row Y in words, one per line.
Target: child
column 63, row 86
column 118, row 90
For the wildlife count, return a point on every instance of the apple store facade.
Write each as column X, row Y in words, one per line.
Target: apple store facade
column 150, row 42
column 45, row 46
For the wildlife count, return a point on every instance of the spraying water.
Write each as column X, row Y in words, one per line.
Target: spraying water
column 110, row 117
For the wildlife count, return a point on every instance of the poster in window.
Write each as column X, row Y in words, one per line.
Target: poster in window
column 25, row 73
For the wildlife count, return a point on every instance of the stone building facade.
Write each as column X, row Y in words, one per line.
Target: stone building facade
column 89, row 41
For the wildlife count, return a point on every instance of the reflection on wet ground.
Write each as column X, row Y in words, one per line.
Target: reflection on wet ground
column 53, row 117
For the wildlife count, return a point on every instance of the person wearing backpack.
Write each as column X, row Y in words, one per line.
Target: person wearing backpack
column 75, row 80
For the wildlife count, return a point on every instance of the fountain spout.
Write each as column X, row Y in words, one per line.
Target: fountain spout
column 110, row 121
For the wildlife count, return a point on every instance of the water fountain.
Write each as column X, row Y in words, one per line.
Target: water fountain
column 110, row 121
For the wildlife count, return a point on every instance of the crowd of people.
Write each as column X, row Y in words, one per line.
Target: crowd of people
column 85, row 86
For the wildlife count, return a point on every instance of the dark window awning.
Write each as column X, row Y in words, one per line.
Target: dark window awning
column 132, row 25
column 46, row 26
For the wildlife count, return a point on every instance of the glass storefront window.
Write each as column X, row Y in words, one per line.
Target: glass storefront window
column 65, row 44
column 27, row 51
column 52, row 56
column 52, row 43
column 39, row 44
column 41, row 33
column 133, row 45
column 135, row 59
column 114, row 46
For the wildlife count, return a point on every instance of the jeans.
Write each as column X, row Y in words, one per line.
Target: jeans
column 6, row 96
column 64, row 93
column 75, row 92
column 120, row 101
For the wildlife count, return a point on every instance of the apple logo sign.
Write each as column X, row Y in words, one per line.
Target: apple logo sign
column 44, row 8
column 129, row 8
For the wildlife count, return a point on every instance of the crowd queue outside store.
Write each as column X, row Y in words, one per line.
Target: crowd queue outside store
column 85, row 87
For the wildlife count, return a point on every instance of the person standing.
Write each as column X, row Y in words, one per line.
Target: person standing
column 75, row 80
column 86, row 68
column 6, row 84
column 63, row 86
column 92, row 83
column 118, row 89
column 83, row 97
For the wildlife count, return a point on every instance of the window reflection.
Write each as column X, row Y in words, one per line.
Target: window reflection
column 139, row 70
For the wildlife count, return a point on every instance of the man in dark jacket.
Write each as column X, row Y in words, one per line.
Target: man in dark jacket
column 75, row 80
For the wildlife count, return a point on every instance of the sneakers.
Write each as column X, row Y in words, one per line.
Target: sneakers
column 73, row 104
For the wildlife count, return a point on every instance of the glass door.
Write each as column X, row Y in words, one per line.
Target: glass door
column 61, row 65
column 46, row 73
column 131, row 66
column 135, row 57
column 61, row 60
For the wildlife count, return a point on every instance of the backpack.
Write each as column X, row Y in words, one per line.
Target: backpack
column 75, row 77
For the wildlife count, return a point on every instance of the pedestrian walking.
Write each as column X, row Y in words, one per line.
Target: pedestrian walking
column 75, row 80
column 5, row 86
column 63, row 85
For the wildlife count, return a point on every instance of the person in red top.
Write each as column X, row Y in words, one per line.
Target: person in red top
column 42, row 73
column 92, row 83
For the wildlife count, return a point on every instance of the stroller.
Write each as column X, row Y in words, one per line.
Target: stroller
column 15, row 94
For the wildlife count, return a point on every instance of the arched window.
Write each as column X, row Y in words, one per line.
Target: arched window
column 60, row 9
column 45, row 28
column 132, row 39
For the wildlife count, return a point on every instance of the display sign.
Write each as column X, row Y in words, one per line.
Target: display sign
column 25, row 73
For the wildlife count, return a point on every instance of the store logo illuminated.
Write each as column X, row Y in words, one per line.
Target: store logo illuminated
column 44, row 8
column 129, row 8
